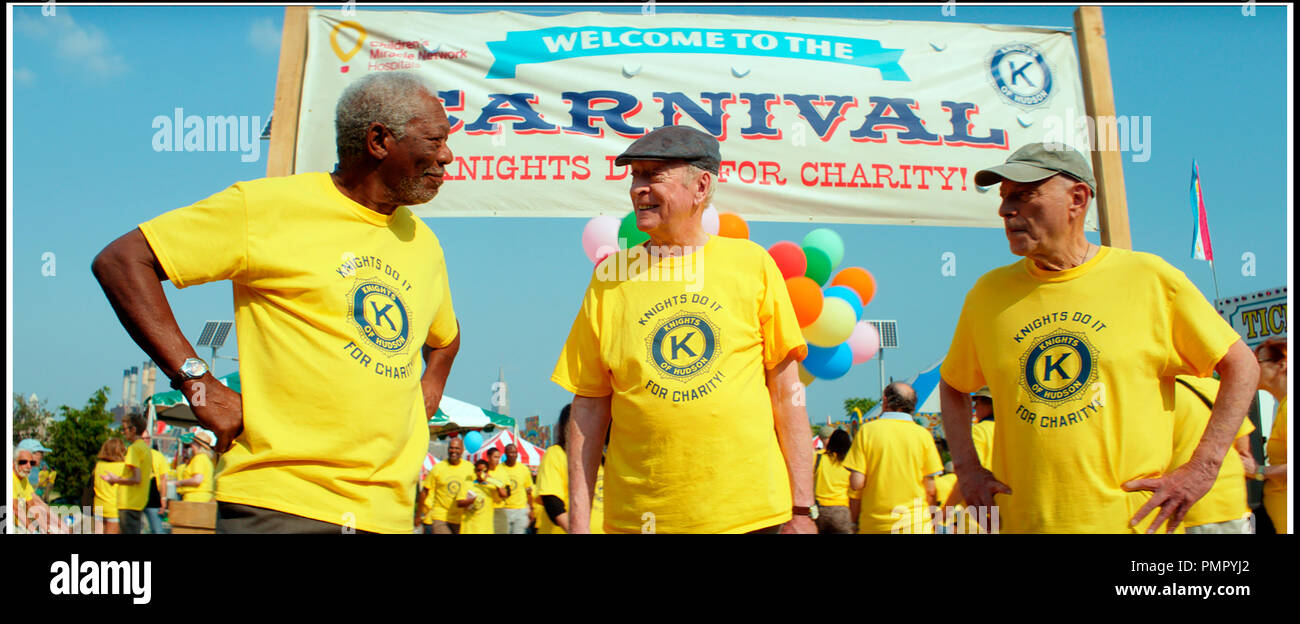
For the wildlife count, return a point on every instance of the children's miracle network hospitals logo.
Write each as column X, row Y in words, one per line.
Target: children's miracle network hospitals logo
column 560, row 43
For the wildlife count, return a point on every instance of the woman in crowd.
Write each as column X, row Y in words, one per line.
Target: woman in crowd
column 832, row 490
column 198, row 480
column 1272, row 377
column 110, row 461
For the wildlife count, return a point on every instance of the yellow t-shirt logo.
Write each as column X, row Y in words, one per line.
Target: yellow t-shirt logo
column 1058, row 367
column 683, row 346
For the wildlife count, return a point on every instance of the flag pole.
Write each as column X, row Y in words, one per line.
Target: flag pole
column 1215, row 275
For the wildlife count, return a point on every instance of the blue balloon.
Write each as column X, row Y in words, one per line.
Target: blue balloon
column 849, row 295
column 473, row 440
column 829, row 363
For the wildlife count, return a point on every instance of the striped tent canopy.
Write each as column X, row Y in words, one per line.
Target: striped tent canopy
column 456, row 415
column 528, row 454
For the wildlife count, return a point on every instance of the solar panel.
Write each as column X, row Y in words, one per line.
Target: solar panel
column 888, row 331
column 214, row 334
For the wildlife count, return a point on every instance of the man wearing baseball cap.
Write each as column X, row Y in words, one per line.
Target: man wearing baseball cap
column 1081, row 343
column 669, row 367
column 41, row 476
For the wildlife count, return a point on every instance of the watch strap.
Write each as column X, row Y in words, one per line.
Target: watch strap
column 801, row 511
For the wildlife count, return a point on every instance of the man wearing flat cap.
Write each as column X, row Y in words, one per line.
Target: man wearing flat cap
column 1080, row 344
column 695, row 381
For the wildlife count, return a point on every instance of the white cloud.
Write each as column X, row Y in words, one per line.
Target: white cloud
column 84, row 48
column 24, row 76
column 264, row 36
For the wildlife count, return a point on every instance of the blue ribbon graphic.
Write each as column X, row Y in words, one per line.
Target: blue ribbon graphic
column 559, row 43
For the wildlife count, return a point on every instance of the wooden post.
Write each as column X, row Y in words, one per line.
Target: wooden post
column 1099, row 104
column 288, row 92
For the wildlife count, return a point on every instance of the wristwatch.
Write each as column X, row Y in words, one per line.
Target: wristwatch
column 1259, row 474
column 811, row 512
column 191, row 368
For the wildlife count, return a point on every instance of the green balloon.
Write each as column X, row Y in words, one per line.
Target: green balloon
column 819, row 265
column 828, row 241
column 628, row 235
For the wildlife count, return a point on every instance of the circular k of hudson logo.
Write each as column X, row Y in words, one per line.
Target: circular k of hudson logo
column 379, row 315
column 1021, row 74
column 1059, row 367
column 683, row 346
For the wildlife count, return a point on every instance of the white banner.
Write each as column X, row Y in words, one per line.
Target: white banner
column 821, row 120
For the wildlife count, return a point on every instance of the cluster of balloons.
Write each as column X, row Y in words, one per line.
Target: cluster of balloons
column 605, row 235
column 831, row 317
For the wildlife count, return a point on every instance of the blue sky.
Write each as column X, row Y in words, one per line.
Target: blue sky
column 88, row 81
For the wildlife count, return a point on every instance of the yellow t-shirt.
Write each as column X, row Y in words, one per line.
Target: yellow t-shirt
column 682, row 344
column 520, row 480
column 445, row 483
column 477, row 517
column 135, row 497
column 333, row 303
column 895, row 456
column 1226, row 499
column 981, row 433
column 1082, row 363
column 831, row 483
column 200, row 464
column 552, row 480
column 598, row 503
column 943, row 486
column 161, row 466
column 23, row 489
column 105, row 492
column 1275, row 492
column 45, row 479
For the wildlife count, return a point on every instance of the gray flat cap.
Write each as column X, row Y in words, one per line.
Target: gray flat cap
column 675, row 143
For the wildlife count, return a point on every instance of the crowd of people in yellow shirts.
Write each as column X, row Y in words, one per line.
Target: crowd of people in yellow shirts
column 494, row 496
column 134, row 482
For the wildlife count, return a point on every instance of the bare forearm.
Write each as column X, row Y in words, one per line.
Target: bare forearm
column 131, row 277
column 1239, row 377
column 956, row 426
column 792, row 432
column 590, row 419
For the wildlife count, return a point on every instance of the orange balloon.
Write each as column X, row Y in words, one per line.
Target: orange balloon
column 732, row 226
column 806, row 296
column 860, row 280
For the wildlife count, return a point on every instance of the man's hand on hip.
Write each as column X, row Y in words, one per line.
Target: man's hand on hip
column 800, row 525
column 978, row 486
column 1174, row 493
column 218, row 409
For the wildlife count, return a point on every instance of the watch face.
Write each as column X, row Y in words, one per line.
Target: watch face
column 193, row 368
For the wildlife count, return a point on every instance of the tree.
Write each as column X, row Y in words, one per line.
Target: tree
column 75, row 442
column 31, row 420
column 863, row 404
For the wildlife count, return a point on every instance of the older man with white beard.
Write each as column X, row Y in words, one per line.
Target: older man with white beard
column 695, row 383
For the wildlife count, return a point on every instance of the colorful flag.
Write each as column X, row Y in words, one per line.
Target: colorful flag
column 1201, row 249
